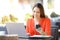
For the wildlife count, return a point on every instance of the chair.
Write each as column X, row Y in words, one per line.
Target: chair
column 3, row 29
column 54, row 32
column 8, row 37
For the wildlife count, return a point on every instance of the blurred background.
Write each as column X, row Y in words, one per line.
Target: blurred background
column 20, row 10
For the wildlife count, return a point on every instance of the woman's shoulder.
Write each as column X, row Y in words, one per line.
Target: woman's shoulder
column 30, row 19
column 46, row 19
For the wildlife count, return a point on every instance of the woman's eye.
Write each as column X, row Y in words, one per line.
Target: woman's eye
column 37, row 12
column 33, row 11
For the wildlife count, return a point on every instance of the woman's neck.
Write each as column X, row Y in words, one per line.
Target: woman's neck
column 37, row 19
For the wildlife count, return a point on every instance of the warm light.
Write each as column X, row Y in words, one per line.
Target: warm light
column 14, row 7
column 57, row 6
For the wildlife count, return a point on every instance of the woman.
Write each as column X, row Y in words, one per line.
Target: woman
column 38, row 19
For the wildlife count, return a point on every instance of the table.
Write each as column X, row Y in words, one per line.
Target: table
column 9, row 37
column 37, row 37
column 14, row 36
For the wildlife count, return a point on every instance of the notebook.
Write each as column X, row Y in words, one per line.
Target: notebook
column 16, row 28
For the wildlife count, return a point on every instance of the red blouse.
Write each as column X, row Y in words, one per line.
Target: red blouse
column 44, row 23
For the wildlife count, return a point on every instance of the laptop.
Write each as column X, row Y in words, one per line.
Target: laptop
column 16, row 28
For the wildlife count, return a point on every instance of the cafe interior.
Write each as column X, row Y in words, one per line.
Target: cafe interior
column 16, row 12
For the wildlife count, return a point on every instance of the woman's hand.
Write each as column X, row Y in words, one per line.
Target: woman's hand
column 41, row 31
column 28, row 34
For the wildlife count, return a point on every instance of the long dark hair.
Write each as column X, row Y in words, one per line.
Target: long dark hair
column 42, row 14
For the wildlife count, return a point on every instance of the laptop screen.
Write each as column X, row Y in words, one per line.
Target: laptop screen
column 16, row 28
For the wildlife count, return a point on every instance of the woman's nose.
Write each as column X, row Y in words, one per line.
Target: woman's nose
column 35, row 13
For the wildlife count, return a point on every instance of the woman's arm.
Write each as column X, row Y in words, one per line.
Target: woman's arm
column 48, row 27
column 27, row 26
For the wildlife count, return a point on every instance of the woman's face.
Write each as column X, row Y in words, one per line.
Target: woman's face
column 36, row 12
